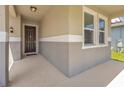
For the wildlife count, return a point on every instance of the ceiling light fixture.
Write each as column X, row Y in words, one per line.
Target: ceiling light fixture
column 33, row 9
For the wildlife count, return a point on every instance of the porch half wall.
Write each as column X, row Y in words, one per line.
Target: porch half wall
column 61, row 42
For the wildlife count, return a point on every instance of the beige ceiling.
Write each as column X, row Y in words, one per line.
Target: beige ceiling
column 12, row 11
column 24, row 10
column 112, row 10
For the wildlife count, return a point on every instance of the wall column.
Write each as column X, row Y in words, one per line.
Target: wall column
column 109, row 29
column 4, row 24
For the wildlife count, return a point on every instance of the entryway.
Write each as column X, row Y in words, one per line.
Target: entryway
column 30, row 39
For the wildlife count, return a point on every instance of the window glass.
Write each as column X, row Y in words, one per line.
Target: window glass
column 101, row 37
column 101, row 24
column 88, row 21
column 88, row 36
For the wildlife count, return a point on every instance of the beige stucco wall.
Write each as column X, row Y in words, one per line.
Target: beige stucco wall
column 62, row 20
column 2, row 18
column 15, row 22
column 55, row 22
column 75, row 20
column 25, row 21
column 97, row 9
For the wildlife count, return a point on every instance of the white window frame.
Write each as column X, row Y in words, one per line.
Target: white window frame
column 96, row 43
column 94, row 14
column 100, row 16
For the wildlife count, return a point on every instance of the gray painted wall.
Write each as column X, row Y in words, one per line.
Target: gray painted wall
column 15, row 49
column 83, row 59
column 3, row 63
column 57, row 54
column 71, row 59
column 4, row 27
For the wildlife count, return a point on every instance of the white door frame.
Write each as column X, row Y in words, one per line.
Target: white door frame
column 23, row 39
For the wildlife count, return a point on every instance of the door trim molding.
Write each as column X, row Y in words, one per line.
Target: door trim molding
column 23, row 39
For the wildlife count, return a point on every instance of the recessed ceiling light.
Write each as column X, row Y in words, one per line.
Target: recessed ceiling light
column 33, row 9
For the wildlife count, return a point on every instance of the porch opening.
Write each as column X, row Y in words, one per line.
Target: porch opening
column 117, row 43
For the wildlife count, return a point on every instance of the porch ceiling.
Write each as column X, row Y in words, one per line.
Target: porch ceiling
column 26, row 13
column 111, row 10
column 24, row 10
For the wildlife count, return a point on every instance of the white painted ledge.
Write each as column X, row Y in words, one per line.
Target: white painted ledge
column 75, row 38
column 14, row 39
column 63, row 38
column 95, row 46
column 3, row 37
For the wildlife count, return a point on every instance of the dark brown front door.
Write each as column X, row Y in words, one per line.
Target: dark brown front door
column 30, row 39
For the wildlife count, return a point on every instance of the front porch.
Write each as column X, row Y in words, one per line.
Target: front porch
column 75, row 40
column 36, row 71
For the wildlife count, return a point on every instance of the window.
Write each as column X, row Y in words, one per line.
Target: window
column 94, row 28
column 101, row 31
column 89, row 26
